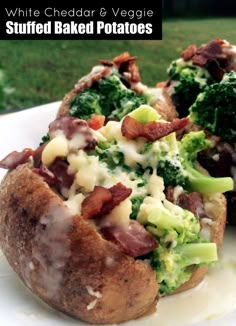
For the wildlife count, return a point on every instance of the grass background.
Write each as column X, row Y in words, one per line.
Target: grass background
column 43, row 71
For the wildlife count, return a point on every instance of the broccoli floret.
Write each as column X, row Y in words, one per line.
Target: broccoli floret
column 109, row 97
column 189, row 146
column 44, row 139
column 109, row 152
column 172, row 172
column 188, row 81
column 85, row 104
column 172, row 265
column 214, row 109
column 128, row 102
column 171, row 223
column 180, row 245
column 111, row 86
column 136, row 203
column 118, row 100
column 145, row 113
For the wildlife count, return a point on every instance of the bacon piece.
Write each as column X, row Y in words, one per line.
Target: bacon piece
column 102, row 200
column 37, row 156
column 189, row 52
column 131, row 128
column 169, row 193
column 212, row 50
column 95, row 75
column 124, row 57
column 215, row 70
column 192, row 202
column 56, row 175
column 127, row 67
column 119, row 193
column 199, row 60
column 64, row 179
column 46, row 174
column 133, row 241
column 92, row 205
column 212, row 57
column 71, row 127
column 13, row 159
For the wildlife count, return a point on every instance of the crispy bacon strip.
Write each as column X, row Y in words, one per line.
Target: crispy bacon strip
column 13, row 159
column 91, row 78
column 133, row 241
column 37, row 156
column 210, row 56
column 71, row 127
column 102, row 200
column 56, row 175
column 64, row 179
column 119, row 193
column 46, row 174
column 131, row 128
column 189, row 52
column 124, row 57
column 127, row 67
column 192, row 202
column 93, row 204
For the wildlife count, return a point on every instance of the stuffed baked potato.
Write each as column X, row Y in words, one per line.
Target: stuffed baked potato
column 93, row 226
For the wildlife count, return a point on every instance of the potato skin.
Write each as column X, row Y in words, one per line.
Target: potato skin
column 64, row 260
column 64, row 108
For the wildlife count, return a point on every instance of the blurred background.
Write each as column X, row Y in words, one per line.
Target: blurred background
column 39, row 72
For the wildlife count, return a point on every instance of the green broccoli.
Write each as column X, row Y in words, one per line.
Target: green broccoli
column 214, row 108
column 118, row 100
column 189, row 146
column 172, row 224
column 85, row 104
column 180, row 245
column 45, row 139
column 128, row 102
column 109, row 152
column 136, row 203
column 172, row 172
column 171, row 265
column 109, row 97
column 188, row 81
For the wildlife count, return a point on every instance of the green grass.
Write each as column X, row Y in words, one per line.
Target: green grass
column 43, row 71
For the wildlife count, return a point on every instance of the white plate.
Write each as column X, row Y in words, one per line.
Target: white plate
column 213, row 302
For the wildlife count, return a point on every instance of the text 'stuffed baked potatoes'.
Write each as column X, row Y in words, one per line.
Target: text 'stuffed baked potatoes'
column 107, row 215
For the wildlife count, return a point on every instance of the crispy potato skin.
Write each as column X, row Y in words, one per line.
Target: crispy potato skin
column 64, row 260
column 66, row 103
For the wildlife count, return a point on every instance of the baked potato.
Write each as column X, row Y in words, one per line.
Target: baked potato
column 128, row 81
column 103, row 217
column 69, row 256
